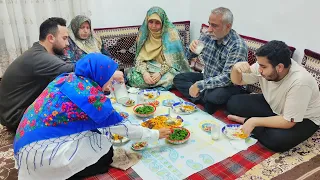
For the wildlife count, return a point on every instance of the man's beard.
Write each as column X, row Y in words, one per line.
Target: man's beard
column 274, row 77
column 58, row 51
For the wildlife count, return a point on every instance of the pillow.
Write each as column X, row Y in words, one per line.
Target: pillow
column 121, row 41
column 311, row 61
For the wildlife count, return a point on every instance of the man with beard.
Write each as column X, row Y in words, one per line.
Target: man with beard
column 223, row 47
column 288, row 110
column 28, row 75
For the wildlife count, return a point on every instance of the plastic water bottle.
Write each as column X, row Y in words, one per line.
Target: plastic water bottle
column 215, row 131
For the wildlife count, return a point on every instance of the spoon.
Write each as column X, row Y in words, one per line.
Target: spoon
column 181, row 108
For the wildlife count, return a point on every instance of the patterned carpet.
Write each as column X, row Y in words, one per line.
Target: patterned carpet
column 7, row 170
column 280, row 163
column 254, row 163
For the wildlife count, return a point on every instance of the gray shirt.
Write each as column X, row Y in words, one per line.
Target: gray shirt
column 25, row 79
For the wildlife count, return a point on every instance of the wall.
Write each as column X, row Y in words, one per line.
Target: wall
column 295, row 22
column 113, row 13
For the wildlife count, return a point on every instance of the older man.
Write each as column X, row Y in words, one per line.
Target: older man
column 223, row 48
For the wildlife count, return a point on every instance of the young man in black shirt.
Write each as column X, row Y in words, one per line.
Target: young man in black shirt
column 28, row 75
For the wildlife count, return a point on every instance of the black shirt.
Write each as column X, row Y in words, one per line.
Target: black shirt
column 25, row 79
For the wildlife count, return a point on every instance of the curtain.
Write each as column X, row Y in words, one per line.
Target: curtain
column 20, row 21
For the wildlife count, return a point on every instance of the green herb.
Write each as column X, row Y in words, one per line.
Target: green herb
column 144, row 109
column 178, row 134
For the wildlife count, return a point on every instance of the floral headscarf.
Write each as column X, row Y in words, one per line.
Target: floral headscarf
column 92, row 43
column 71, row 104
column 172, row 47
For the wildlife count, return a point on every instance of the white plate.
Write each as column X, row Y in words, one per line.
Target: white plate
column 166, row 115
column 155, row 94
column 229, row 130
column 176, row 107
column 124, row 140
column 140, row 148
column 129, row 105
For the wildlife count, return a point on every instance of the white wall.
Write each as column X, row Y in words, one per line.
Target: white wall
column 113, row 13
column 295, row 22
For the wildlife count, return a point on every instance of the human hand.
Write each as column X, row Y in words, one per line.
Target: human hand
column 194, row 91
column 248, row 127
column 242, row 67
column 164, row 133
column 193, row 46
column 118, row 76
column 147, row 78
column 156, row 77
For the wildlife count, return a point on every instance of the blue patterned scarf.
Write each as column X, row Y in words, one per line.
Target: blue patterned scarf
column 71, row 104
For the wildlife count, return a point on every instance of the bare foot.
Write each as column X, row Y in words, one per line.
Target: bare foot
column 237, row 119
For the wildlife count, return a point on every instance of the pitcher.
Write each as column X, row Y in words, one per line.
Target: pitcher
column 119, row 91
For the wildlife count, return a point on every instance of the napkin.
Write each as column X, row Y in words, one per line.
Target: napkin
column 123, row 159
column 133, row 90
column 239, row 144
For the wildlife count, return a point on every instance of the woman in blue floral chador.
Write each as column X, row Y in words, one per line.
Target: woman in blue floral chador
column 66, row 132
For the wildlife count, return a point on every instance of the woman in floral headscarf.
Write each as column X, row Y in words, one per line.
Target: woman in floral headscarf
column 159, row 54
column 82, row 40
column 66, row 132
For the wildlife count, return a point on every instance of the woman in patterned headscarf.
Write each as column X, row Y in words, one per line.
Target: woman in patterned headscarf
column 66, row 131
column 159, row 54
column 82, row 40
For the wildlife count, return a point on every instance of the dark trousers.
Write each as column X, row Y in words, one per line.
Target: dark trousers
column 211, row 98
column 100, row 167
column 279, row 140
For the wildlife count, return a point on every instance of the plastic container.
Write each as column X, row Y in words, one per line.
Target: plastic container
column 119, row 91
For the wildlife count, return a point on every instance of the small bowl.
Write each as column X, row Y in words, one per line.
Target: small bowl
column 139, row 148
column 168, row 102
column 154, row 103
column 177, row 107
column 155, row 94
column 125, row 115
column 129, row 103
column 179, row 141
column 206, row 127
column 144, row 115
column 118, row 141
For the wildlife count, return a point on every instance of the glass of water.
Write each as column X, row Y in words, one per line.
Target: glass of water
column 215, row 131
column 199, row 48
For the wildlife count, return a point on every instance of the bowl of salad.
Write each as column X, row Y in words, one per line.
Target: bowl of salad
column 179, row 136
column 144, row 110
